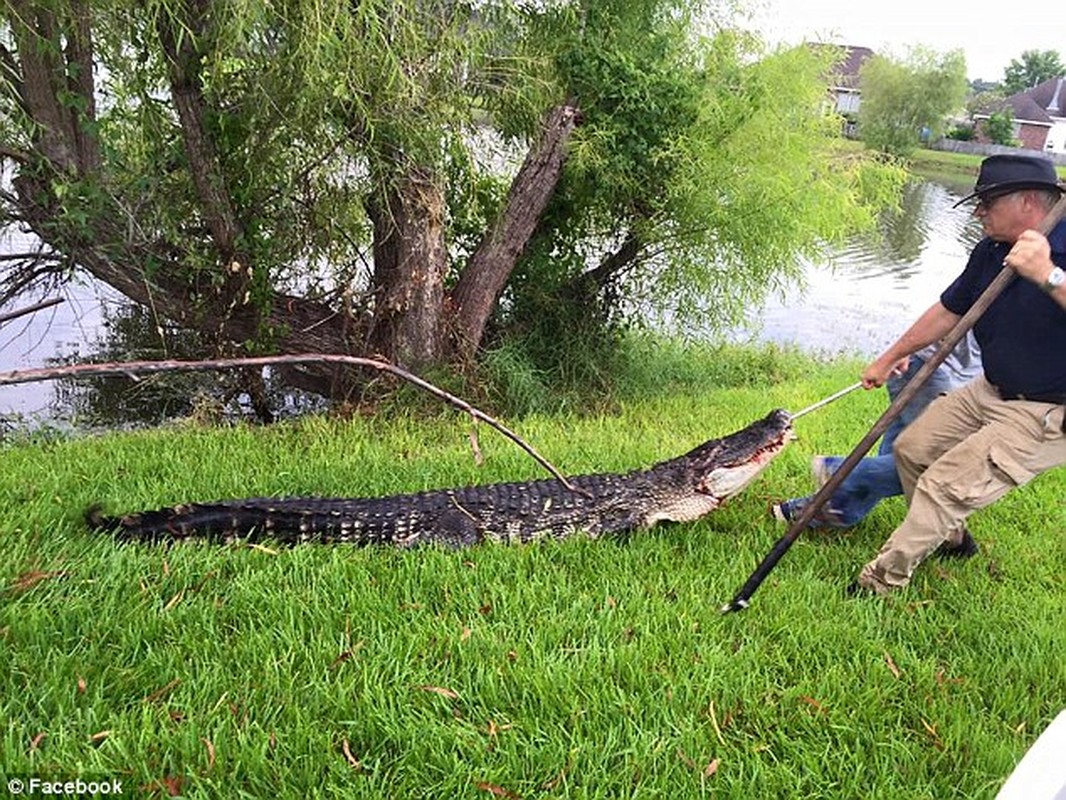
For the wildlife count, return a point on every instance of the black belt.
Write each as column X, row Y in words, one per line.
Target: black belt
column 1057, row 399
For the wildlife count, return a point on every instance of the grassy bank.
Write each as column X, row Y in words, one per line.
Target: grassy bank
column 575, row 669
column 953, row 169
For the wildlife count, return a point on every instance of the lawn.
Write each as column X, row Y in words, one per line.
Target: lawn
column 578, row 669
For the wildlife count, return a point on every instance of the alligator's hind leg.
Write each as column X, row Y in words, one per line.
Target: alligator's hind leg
column 456, row 528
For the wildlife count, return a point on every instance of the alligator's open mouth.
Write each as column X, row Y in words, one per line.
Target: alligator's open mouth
column 740, row 457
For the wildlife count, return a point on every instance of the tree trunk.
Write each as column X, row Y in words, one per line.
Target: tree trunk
column 180, row 40
column 51, row 72
column 475, row 295
column 409, row 268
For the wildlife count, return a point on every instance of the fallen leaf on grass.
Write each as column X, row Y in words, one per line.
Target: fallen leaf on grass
column 173, row 601
column 942, row 678
column 170, row 785
column 162, row 691
column 552, row 783
column 27, row 580
column 931, row 730
column 352, row 760
column 499, row 791
column 347, row 654
column 812, row 703
column 451, row 694
column 465, row 634
column 210, row 752
column 896, row 672
column 340, row 659
column 707, row 771
column 714, row 722
column 684, row 757
column 493, row 730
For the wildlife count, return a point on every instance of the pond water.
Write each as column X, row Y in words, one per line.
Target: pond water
column 858, row 301
column 873, row 288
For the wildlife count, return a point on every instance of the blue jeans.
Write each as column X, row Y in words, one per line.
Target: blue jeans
column 874, row 477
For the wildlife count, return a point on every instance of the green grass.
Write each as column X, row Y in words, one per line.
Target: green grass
column 954, row 169
column 577, row 669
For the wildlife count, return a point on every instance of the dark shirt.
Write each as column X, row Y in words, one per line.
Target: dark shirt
column 1023, row 332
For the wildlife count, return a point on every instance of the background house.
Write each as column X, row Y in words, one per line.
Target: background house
column 844, row 93
column 1039, row 116
column 844, row 80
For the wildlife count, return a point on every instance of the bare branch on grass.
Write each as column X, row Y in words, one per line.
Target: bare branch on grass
column 132, row 369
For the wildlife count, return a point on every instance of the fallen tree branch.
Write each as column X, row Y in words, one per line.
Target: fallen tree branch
column 132, row 369
column 18, row 312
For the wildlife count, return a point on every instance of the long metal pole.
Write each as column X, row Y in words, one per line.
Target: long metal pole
column 991, row 292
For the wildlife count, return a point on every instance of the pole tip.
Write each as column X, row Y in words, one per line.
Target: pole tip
column 735, row 605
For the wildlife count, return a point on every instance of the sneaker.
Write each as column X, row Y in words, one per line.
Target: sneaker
column 788, row 510
column 821, row 470
column 966, row 547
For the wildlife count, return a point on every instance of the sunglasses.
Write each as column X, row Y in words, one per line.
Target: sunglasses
column 986, row 203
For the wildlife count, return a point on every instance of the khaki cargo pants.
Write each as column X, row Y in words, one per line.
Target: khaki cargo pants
column 967, row 450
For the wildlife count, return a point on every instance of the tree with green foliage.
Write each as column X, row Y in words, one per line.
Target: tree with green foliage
column 900, row 98
column 1033, row 68
column 416, row 179
column 999, row 128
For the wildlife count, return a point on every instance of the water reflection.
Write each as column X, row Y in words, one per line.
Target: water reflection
column 858, row 301
column 130, row 333
column 899, row 247
column 870, row 290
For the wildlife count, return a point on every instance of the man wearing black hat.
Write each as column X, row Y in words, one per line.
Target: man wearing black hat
column 973, row 445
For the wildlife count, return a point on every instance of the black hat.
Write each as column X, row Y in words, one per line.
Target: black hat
column 1000, row 175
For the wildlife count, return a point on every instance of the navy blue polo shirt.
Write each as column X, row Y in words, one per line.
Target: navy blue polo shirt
column 1023, row 332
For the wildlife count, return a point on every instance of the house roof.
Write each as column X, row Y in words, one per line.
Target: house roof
column 848, row 71
column 845, row 73
column 1039, row 104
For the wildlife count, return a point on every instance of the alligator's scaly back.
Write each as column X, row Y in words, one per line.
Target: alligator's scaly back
column 680, row 489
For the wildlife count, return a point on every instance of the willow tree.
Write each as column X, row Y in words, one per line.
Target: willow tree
column 903, row 97
column 401, row 178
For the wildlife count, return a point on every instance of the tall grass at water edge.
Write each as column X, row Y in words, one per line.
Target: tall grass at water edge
column 584, row 669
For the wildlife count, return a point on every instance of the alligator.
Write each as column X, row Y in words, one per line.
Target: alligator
column 680, row 489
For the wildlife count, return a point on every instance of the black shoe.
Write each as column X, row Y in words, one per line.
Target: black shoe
column 856, row 589
column 966, row 548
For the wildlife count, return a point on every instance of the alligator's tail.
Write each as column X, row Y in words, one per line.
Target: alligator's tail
column 223, row 522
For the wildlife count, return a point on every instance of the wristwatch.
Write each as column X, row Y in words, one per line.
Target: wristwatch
column 1055, row 279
